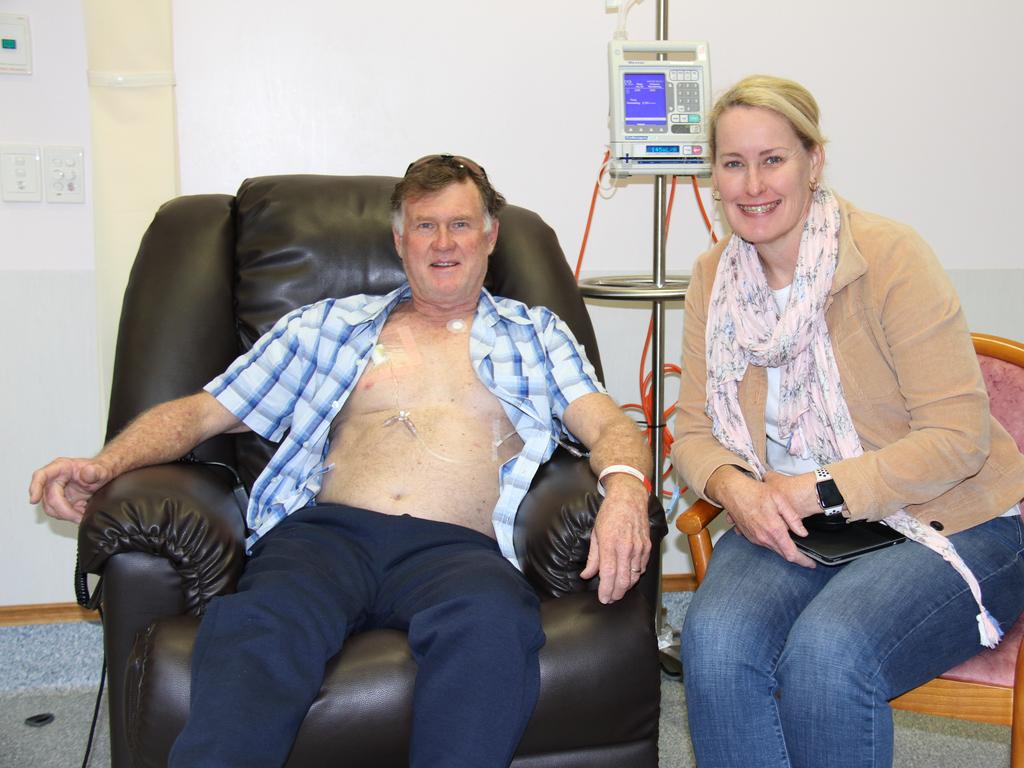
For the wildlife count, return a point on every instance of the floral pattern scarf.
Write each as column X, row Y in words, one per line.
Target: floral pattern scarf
column 744, row 327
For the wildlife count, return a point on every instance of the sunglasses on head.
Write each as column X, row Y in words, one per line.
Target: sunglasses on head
column 452, row 161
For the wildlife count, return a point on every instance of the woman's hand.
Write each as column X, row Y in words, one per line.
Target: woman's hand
column 799, row 490
column 762, row 512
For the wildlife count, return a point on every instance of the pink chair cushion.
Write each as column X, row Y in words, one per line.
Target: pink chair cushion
column 992, row 667
column 1005, row 384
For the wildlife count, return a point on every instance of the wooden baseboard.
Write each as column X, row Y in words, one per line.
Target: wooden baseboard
column 44, row 613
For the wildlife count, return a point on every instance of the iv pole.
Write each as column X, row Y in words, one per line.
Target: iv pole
column 657, row 289
column 658, row 308
column 670, row 658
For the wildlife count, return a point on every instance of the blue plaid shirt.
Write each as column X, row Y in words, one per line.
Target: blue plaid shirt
column 292, row 383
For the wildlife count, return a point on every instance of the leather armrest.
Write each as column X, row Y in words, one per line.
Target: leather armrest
column 552, row 530
column 184, row 514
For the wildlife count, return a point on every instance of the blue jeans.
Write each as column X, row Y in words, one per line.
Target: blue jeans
column 796, row 666
column 327, row 571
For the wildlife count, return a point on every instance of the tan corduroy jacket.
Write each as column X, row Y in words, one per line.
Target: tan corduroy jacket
column 911, row 380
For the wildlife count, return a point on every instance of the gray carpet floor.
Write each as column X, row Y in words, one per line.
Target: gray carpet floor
column 55, row 669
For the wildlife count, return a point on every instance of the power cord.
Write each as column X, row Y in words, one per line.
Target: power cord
column 237, row 489
column 96, row 708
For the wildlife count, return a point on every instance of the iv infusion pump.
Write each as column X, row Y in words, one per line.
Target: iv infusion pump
column 659, row 97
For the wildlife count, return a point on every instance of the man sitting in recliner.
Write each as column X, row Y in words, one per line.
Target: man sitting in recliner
column 410, row 427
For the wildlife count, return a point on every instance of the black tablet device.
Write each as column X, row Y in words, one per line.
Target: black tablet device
column 835, row 542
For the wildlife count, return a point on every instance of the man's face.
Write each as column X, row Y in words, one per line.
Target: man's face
column 444, row 247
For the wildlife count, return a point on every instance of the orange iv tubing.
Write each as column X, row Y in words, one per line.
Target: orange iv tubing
column 646, row 404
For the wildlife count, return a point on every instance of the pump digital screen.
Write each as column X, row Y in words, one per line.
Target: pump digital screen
column 644, row 96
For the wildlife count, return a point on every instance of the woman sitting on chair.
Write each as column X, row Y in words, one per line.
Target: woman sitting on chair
column 828, row 370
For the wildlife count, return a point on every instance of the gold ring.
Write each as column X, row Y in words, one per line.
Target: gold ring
column 634, row 570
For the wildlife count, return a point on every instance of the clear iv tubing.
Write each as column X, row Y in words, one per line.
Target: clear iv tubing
column 624, row 9
column 405, row 418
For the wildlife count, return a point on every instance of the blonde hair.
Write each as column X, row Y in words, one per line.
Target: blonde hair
column 786, row 98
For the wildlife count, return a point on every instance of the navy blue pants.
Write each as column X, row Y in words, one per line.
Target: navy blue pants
column 327, row 571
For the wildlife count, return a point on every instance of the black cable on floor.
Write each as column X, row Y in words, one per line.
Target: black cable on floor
column 95, row 712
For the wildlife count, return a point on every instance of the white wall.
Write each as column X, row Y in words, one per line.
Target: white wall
column 319, row 86
column 363, row 88
column 51, row 381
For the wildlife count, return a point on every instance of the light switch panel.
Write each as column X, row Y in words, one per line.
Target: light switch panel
column 64, row 174
column 19, row 173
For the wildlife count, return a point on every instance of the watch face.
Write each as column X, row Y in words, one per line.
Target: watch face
column 829, row 495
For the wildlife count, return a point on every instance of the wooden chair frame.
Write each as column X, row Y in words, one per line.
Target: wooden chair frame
column 940, row 696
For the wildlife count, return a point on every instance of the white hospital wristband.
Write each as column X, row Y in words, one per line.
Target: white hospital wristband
column 622, row 469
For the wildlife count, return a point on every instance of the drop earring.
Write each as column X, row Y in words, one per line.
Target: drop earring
column 716, row 195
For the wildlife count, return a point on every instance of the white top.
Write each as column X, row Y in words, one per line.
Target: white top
column 779, row 458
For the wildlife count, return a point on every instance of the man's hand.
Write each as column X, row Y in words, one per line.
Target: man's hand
column 762, row 512
column 64, row 486
column 163, row 433
column 620, row 544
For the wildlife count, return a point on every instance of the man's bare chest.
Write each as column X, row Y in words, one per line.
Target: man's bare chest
column 420, row 433
column 427, row 370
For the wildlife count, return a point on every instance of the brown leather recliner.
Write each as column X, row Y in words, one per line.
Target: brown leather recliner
column 213, row 273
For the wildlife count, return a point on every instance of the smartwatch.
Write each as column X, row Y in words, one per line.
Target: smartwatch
column 829, row 497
